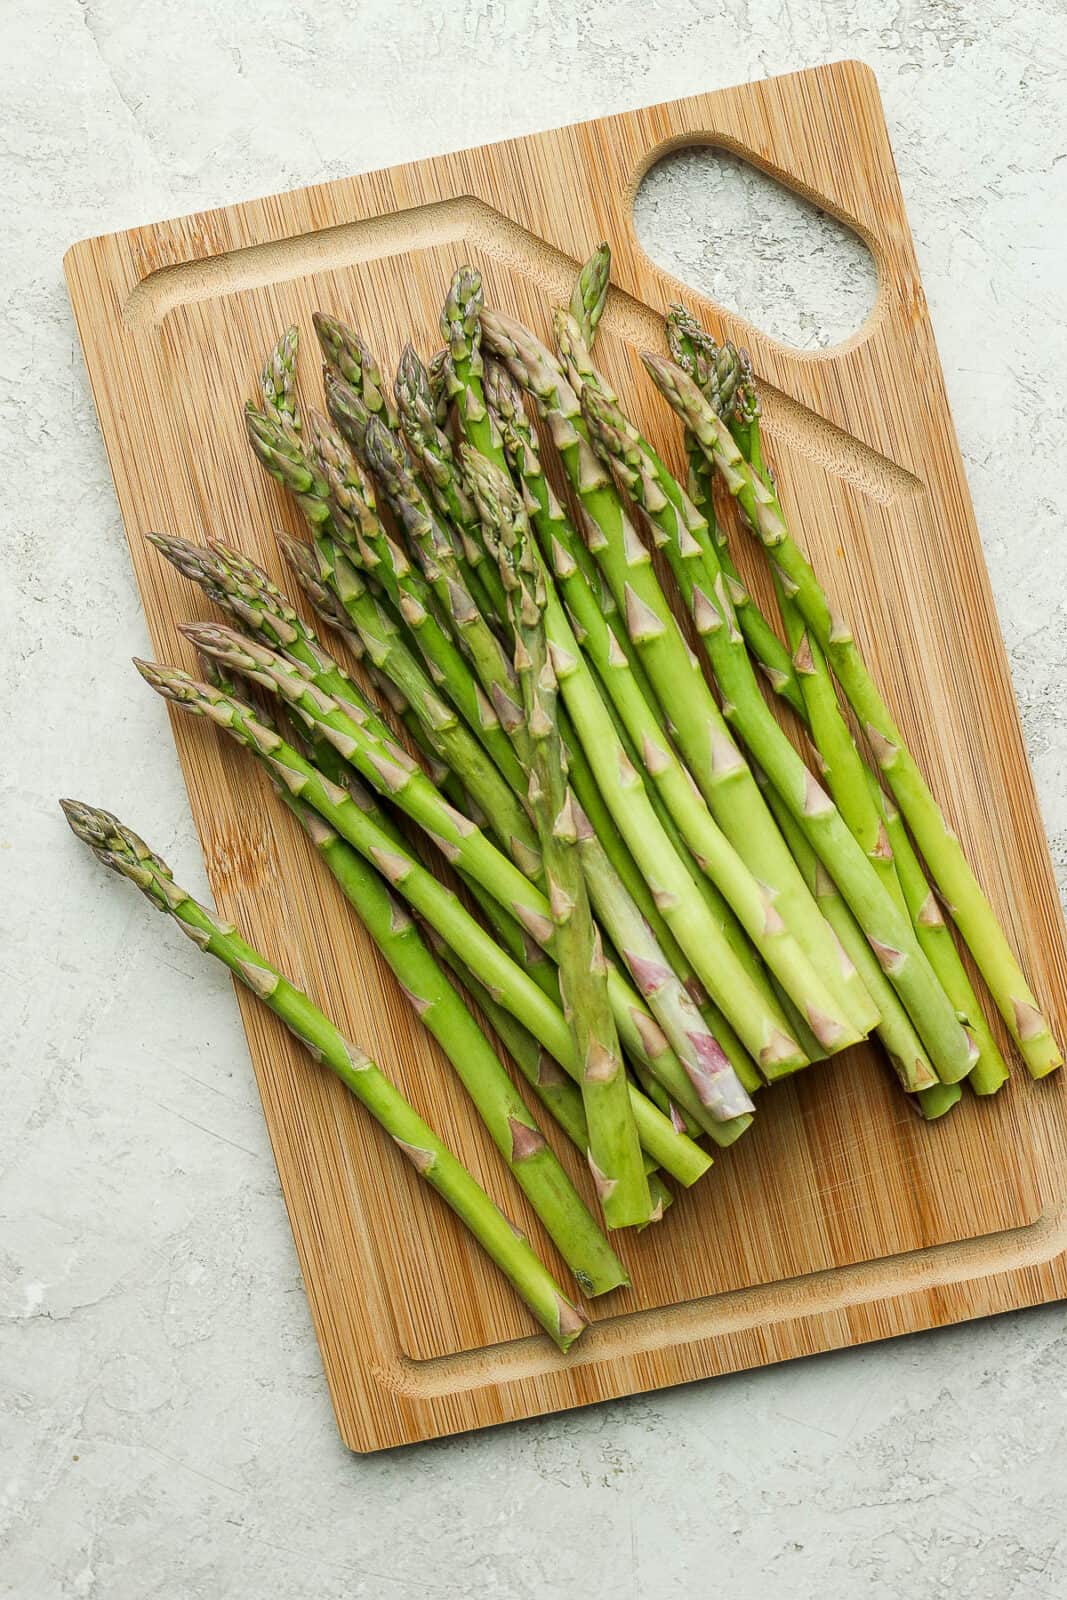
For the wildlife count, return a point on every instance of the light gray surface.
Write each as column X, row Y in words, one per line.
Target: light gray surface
column 164, row 1424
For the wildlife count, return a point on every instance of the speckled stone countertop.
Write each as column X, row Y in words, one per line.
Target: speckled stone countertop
column 164, row 1425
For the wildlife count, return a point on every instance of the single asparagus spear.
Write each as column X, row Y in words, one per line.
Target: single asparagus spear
column 703, row 586
column 117, row 847
column 718, row 370
column 442, row 1012
column 698, row 727
column 461, row 329
column 432, row 449
column 940, row 848
column 614, row 1148
column 436, row 372
column 590, row 293
column 438, row 905
column 278, row 382
column 345, row 351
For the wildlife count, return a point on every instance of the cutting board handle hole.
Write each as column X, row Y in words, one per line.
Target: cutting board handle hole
column 758, row 249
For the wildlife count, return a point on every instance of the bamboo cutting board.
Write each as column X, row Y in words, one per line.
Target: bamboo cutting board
column 841, row 1217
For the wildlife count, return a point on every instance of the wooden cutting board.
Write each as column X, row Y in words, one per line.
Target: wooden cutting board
column 841, row 1217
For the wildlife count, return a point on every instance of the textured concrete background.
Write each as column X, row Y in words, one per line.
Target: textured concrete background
column 164, row 1425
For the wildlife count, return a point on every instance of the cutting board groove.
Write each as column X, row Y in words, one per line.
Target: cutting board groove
column 840, row 1218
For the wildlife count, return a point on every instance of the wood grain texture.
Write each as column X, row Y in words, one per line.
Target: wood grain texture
column 840, row 1218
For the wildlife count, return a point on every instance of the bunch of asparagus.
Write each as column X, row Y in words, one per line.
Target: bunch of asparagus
column 657, row 901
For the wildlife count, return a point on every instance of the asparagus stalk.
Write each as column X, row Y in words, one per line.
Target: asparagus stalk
column 278, row 382
column 590, row 293
column 699, row 729
column 704, row 588
column 940, row 848
column 346, row 353
column 432, row 449
column 614, row 1148
column 718, row 370
column 438, row 905
column 442, row 1012
column 117, row 847
column 461, row 328
column 436, row 373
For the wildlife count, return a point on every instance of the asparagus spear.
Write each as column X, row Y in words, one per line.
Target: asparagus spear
column 718, row 370
column 590, row 293
column 614, row 1149
column 461, row 328
column 703, row 586
column 345, row 351
column 432, row 449
column 436, row 372
column 940, row 848
column 117, row 847
column 699, row 730
column 278, row 382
